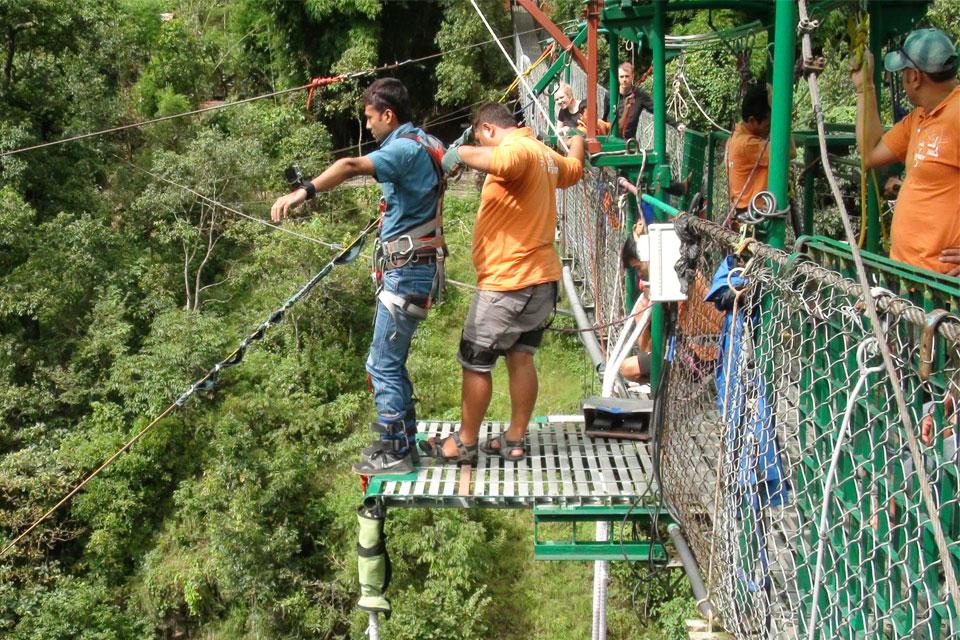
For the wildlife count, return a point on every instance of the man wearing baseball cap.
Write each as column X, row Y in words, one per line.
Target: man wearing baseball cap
column 926, row 221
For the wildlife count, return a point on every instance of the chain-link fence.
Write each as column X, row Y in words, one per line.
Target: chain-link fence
column 779, row 420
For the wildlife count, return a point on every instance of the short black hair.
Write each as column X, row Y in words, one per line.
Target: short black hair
column 629, row 253
column 946, row 75
column 388, row 93
column 494, row 113
column 756, row 103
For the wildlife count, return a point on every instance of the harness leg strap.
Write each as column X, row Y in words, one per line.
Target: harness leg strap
column 394, row 301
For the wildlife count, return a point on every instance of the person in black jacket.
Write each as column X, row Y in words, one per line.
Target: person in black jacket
column 632, row 100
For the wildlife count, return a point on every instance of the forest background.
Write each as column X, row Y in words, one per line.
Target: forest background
column 234, row 517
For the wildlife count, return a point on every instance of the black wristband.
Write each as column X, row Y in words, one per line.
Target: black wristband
column 311, row 190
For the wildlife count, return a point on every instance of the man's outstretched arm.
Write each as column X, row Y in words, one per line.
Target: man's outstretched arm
column 477, row 158
column 338, row 172
column 481, row 158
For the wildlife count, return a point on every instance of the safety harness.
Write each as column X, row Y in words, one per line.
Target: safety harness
column 423, row 243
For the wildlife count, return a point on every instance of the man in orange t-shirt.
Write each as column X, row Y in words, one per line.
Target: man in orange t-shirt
column 517, row 273
column 926, row 221
column 748, row 150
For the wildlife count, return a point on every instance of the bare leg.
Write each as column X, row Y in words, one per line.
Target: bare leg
column 475, row 396
column 523, row 394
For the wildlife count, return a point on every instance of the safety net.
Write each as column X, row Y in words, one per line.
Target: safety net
column 784, row 457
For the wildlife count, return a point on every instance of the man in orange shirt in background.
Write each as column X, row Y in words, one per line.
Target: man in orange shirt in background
column 926, row 220
column 748, row 150
column 517, row 273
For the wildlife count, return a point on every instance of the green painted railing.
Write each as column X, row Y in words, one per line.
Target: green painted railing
column 926, row 289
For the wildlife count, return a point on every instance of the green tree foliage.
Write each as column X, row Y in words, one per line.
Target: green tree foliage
column 471, row 75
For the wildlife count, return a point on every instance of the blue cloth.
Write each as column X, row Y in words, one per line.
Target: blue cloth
column 649, row 215
column 408, row 179
column 750, row 423
column 721, row 280
column 392, row 333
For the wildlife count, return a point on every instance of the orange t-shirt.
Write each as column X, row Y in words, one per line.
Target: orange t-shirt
column 516, row 224
column 700, row 321
column 743, row 149
column 927, row 216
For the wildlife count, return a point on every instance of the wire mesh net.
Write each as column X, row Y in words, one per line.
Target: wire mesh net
column 592, row 225
column 762, row 402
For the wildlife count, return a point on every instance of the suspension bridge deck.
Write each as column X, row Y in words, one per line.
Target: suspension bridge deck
column 564, row 467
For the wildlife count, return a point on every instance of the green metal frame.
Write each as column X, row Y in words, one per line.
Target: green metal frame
column 926, row 289
column 616, row 548
column 561, row 63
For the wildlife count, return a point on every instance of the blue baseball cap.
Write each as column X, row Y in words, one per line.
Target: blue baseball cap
column 929, row 50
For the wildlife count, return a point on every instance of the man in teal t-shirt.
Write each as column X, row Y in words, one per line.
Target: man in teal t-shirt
column 410, row 247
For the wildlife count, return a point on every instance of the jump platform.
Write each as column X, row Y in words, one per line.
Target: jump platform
column 564, row 468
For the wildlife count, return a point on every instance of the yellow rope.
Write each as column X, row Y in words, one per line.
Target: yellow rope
column 526, row 72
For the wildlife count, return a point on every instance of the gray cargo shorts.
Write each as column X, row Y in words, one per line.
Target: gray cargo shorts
column 502, row 321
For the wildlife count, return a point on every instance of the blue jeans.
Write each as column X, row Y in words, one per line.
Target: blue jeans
column 392, row 333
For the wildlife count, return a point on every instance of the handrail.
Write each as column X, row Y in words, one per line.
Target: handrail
column 927, row 289
column 660, row 204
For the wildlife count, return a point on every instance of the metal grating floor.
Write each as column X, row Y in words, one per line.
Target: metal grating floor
column 563, row 467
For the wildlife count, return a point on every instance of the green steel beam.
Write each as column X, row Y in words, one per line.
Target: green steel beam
column 632, row 290
column 622, row 161
column 592, row 551
column 658, row 46
column 784, row 59
column 661, row 205
column 613, row 43
column 612, row 513
column 558, row 64
column 657, row 35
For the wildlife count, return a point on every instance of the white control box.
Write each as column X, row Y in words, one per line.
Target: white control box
column 664, row 251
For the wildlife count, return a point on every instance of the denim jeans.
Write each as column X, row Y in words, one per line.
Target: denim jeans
column 392, row 332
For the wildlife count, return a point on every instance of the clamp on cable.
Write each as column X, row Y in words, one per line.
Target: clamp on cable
column 928, row 341
column 813, row 64
column 319, row 82
column 807, row 25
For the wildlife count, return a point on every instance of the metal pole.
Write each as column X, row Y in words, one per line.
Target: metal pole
column 711, row 175
column 373, row 627
column 662, row 176
column 660, row 205
column 593, row 55
column 784, row 46
column 588, row 338
column 630, row 285
column 691, row 569
column 658, row 45
column 632, row 290
column 600, row 575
